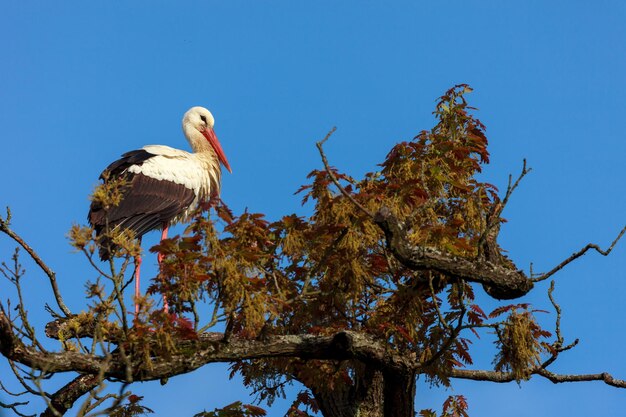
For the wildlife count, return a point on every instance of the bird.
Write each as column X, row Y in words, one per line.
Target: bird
column 163, row 186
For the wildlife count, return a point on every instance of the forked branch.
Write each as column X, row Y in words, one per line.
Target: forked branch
column 578, row 254
column 334, row 179
column 4, row 228
column 494, row 216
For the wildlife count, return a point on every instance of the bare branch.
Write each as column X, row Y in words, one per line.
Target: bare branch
column 502, row 377
column 334, row 179
column 16, row 372
column 443, row 321
column 578, row 254
column 15, row 405
column 494, row 216
column 557, row 308
column 12, row 394
column 95, row 266
column 118, row 398
column 604, row 376
column 4, row 227
column 15, row 408
column 557, row 347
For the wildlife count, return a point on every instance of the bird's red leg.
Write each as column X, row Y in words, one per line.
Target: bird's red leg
column 137, row 268
column 160, row 259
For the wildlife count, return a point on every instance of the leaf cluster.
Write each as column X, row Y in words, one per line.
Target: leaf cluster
column 453, row 406
column 519, row 342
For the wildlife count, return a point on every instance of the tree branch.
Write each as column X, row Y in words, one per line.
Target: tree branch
column 503, row 283
column 65, row 398
column 494, row 216
column 578, row 254
column 502, row 377
column 4, row 227
column 334, row 179
column 209, row 348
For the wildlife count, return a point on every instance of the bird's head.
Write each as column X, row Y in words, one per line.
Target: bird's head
column 198, row 124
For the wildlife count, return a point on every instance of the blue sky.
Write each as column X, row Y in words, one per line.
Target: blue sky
column 83, row 82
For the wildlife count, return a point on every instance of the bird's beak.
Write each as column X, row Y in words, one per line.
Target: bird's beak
column 209, row 134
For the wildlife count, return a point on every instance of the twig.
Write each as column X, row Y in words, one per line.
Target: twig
column 454, row 333
column 557, row 346
column 214, row 318
column 87, row 405
column 497, row 209
column 121, row 396
column 557, row 308
column 12, row 394
column 494, row 326
column 14, row 407
column 334, row 179
column 578, row 254
column 97, row 402
column 436, row 303
column 22, row 312
column 94, row 265
column 280, row 292
column 4, row 227
column 196, row 315
column 16, row 372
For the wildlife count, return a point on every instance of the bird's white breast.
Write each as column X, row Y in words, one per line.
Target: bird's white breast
column 179, row 167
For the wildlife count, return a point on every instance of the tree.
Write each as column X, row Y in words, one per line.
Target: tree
column 373, row 289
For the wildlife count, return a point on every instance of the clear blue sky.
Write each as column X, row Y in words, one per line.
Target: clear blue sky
column 82, row 82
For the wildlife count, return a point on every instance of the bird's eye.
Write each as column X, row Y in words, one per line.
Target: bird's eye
column 203, row 118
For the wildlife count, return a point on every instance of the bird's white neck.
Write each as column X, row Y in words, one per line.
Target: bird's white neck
column 199, row 144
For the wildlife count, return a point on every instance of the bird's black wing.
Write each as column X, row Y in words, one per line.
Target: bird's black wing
column 128, row 159
column 147, row 203
column 117, row 169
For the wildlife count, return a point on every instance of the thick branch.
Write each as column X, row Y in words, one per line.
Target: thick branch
column 209, row 348
column 502, row 283
column 65, row 398
column 77, row 327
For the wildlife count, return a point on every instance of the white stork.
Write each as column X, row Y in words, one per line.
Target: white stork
column 164, row 185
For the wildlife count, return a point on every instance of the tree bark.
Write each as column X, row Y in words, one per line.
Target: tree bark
column 65, row 398
column 375, row 392
column 399, row 394
column 499, row 282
